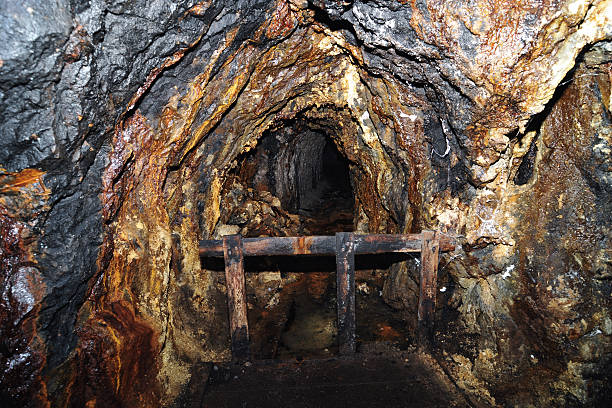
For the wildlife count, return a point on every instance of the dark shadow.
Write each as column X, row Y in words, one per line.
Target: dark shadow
column 307, row 263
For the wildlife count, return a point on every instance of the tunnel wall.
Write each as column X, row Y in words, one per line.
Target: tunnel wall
column 120, row 123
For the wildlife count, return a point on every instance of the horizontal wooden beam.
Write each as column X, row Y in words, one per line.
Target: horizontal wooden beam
column 270, row 246
column 324, row 245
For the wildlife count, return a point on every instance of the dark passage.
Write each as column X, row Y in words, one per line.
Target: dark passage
column 304, row 170
column 296, row 182
column 379, row 377
column 324, row 185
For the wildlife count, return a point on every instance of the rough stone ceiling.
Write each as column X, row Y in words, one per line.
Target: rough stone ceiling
column 121, row 123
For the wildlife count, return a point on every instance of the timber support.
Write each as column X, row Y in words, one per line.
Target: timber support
column 344, row 245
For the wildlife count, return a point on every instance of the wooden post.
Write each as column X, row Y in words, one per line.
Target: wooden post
column 236, row 296
column 345, row 279
column 428, row 286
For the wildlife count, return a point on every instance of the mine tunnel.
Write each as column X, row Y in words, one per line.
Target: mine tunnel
column 305, row 203
column 306, row 175
column 295, row 182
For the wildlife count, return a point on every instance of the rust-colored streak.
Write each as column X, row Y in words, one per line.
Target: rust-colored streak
column 283, row 21
column 302, row 246
column 23, row 356
column 15, row 181
column 116, row 361
column 199, row 9
column 133, row 148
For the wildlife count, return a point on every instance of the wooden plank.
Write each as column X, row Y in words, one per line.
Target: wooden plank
column 236, row 296
column 212, row 248
column 381, row 243
column 345, row 279
column 271, row 246
column 428, row 286
column 324, row 245
column 310, row 245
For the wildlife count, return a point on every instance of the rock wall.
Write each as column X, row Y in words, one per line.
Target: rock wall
column 122, row 122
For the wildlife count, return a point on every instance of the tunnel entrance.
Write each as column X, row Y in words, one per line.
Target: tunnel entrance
column 300, row 174
column 324, row 187
column 293, row 182
column 296, row 182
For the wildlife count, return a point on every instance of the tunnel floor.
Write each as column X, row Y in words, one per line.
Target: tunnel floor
column 377, row 376
column 327, row 211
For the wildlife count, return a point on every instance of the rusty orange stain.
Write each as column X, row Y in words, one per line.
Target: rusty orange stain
column 15, row 252
column 300, row 246
column 386, row 332
column 10, row 181
column 199, row 8
column 283, row 21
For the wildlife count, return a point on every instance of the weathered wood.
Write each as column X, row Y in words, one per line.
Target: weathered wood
column 271, row 246
column 324, row 245
column 236, row 296
column 345, row 279
column 344, row 245
column 381, row 243
column 428, row 286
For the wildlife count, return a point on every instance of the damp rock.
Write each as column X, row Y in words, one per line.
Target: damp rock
column 131, row 131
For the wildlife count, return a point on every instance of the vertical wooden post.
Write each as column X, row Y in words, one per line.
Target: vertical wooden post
column 345, row 279
column 428, row 286
column 236, row 296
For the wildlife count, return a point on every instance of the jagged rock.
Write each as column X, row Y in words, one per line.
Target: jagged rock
column 124, row 127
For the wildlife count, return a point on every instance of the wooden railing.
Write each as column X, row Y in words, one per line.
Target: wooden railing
column 344, row 245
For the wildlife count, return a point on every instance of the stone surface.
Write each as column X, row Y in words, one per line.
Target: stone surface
column 123, row 131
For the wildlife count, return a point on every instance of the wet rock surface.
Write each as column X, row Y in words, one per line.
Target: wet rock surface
column 129, row 131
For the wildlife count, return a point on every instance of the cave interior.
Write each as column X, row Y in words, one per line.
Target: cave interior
column 130, row 132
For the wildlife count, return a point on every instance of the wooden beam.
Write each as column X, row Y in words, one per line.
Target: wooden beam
column 428, row 286
column 345, row 279
column 271, row 246
column 324, row 245
column 236, row 296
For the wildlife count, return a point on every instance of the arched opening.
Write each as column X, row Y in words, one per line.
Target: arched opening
column 297, row 180
column 294, row 182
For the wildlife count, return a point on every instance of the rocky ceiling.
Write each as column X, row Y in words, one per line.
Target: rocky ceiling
column 125, row 127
